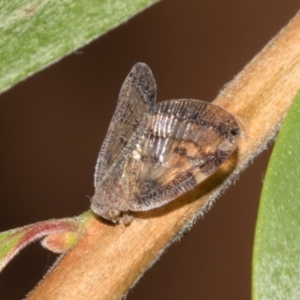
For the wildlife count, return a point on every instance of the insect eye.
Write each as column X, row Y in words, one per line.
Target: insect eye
column 114, row 213
column 233, row 132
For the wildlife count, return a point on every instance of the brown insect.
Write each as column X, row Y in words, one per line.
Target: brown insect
column 154, row 152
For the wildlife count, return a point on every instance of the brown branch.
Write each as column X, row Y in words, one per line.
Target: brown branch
column 110, row 259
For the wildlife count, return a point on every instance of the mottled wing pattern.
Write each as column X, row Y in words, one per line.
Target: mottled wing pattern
column 137, row 96
column 183, row 142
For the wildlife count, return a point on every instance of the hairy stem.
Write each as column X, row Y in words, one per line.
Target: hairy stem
column 110, row 259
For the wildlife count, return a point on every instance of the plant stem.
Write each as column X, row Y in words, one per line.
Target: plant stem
column 110, row 259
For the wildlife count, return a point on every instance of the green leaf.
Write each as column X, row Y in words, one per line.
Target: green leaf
column 36, row 33
column 276, row 261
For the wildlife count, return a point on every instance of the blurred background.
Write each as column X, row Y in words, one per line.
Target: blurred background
column 52, row 126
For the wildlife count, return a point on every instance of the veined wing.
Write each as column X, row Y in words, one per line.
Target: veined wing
column 137, row 96
column 184, row 141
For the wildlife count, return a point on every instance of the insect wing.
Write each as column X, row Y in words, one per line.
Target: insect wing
column 137, row 96
column 184, row 141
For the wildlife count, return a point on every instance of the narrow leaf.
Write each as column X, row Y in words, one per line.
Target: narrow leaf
column 12, row 241
column 36, row 33
column 276, row 262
